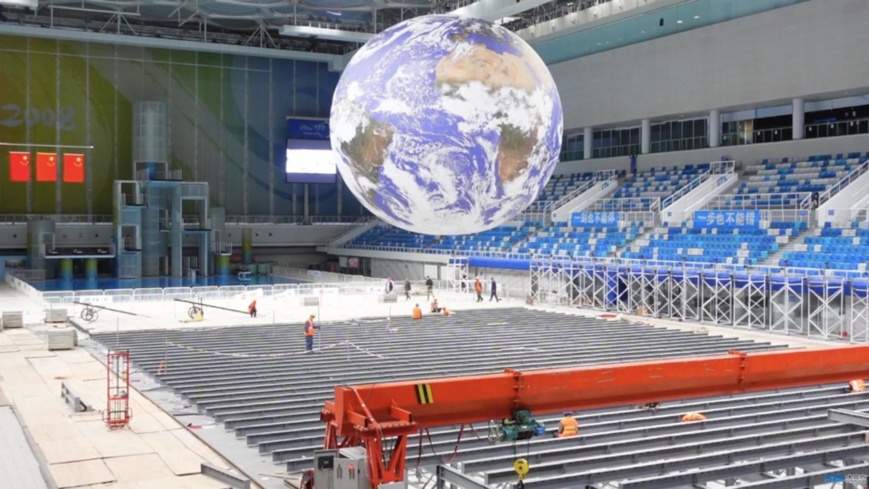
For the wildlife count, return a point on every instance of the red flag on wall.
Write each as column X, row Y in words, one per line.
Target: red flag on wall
column 73, row 168
column 46, row 167
column 19, row 166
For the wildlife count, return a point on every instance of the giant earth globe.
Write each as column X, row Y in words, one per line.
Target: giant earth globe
column 446, row 125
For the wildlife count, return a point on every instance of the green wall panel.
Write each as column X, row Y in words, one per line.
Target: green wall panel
column 227, row 115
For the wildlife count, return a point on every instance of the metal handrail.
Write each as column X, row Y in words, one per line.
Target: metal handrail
column 836, row 187
column 619, row 204
column 749, row 201
column 599, row 176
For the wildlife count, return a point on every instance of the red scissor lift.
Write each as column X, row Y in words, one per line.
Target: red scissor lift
column 118, row 412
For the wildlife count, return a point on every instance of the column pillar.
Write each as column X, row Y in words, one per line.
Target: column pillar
column 221, row 265
column 90, row 268
column 714, row 128
column 587, row 136
column 65, row 272
column 799, row 118
column 645, row 136
column 246, row 246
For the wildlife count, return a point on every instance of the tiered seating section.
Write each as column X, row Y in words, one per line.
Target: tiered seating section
column 764, row 185
column 557, row 187
column 644, row 188
column 834, row 248
column 781, row 185
column 724, row 244
column 562, row 240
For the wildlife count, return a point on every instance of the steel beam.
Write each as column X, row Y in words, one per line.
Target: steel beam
column 446, row 474
column 849, row 417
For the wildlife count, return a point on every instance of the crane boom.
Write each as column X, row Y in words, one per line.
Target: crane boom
column 369, row 414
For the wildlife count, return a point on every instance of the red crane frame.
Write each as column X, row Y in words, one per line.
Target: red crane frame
column 369, row 415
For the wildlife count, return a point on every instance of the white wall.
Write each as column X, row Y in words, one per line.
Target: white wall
column 747, row 154
column 816, row 47
column 397, row 269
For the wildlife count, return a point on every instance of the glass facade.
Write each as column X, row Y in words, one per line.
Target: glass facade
column 679, row 135
column 615, row 142
column 572, row 148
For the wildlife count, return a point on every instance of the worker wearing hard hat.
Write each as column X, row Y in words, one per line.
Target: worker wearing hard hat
column 310, row 330
column 568, row 427
column 689, row 417
column 857, row 385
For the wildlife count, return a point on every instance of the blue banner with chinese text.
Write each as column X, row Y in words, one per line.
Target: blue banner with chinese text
column 594, row 219
column 733, row 219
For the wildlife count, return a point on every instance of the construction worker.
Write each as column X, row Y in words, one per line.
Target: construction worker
column 407, row 289
column 857, row 385
column 429, row 286
column 689, row 417
column 417, row 312
column 568, row 427
column 389, row 285
column 447, row 312
column 310, row 330
column 252, row 309
column 434, row 307
column 478, row 288
column 494, row 290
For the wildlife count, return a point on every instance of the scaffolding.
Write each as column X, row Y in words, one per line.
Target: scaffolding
column 118, row 413
column 828, row 307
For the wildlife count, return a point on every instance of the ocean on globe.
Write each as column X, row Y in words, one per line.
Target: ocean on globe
column 446, row 125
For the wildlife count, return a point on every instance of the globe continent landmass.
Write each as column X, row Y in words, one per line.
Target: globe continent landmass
column 446, row 125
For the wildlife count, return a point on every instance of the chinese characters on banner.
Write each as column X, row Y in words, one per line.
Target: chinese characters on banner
column 594, row 219
column 734, row 219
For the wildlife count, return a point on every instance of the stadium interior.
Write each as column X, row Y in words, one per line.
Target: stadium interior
column 161, row 248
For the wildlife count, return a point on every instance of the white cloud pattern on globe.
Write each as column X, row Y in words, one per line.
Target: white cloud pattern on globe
column 446, row 125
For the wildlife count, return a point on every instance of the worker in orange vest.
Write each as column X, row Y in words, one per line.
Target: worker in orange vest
column 569, row 426
column 310, row 330
column 693, row 417
column 856, row 385
column 478, row 288
column 417, row 312
column 252, row 309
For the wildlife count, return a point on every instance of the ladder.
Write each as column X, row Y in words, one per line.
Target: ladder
column 117, row 414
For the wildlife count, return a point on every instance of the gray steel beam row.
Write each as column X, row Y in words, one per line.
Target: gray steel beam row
column 814, row 478
column 701, row 468
column 774, row 459
column 254, row 380
column 613, row 437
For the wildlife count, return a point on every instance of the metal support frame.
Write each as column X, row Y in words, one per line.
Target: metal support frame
column 826, row 307
column 685, row 295
column 750, row 301
column 786, row 304
column 458, row 271
column 858, row 324
column 717, row 297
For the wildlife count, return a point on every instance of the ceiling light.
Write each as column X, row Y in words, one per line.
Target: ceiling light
column 333, row 13
column 31, row 4
column 696, row 16
column 322, row 33
column 678, row 21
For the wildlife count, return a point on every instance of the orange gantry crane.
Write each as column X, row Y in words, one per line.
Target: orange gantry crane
column 380, row 417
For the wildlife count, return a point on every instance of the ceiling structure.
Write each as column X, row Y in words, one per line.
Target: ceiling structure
column 332, row 30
